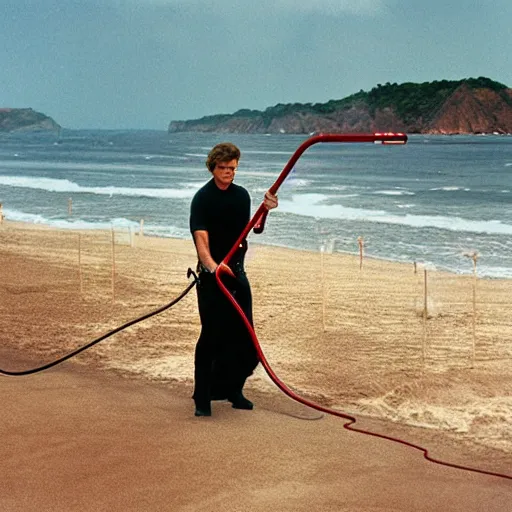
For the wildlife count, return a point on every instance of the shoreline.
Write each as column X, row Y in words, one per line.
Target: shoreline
column 420, row 265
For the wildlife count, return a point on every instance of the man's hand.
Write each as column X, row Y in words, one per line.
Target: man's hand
column 270, row 201
column 223, row 268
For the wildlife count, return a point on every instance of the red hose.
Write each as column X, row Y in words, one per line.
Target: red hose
column 258, row 221
column 351, row 419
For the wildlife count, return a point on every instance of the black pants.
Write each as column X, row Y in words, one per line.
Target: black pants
column 225, row 354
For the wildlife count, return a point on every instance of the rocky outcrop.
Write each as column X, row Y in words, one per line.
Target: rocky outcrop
column 474, row 111
column 26, row 120
column 446, row 107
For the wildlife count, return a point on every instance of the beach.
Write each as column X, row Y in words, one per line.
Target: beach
column 412, row 352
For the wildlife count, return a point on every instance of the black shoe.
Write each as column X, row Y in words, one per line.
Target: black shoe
column 240, row 402
column 204, row 410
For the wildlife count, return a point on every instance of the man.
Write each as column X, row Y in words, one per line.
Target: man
column 225, row 355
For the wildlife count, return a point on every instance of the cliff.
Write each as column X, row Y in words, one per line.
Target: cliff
column 465, row 106
column 25, row 120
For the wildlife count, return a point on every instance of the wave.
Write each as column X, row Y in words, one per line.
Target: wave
column 450, row 189
column 80, row 224
column 161, row 157
column 292, row 181
column 311, row 205
column 265, row 152
column 32, row 218
column 394, row 192
column 58, row 185
column 494, row 271
column 337, row 187
column 110, row 167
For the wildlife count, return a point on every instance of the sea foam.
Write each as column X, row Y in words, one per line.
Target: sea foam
column 313, row 205
column 62, row 185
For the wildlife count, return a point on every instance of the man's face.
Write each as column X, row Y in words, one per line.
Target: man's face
column 224, row 173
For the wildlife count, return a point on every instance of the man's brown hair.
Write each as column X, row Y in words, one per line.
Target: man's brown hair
column 223, row 152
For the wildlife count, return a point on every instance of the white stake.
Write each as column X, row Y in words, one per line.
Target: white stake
column 80, row 264
column 323, row 285
column 113, row 267
column 425, row 315
column 474, row 257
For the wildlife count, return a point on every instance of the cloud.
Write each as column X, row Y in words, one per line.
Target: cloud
column 325, row 7
column 331, row 6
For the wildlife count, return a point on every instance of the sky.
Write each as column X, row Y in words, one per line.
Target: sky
column 138, row 64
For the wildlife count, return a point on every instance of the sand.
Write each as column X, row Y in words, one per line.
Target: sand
column 113, row 429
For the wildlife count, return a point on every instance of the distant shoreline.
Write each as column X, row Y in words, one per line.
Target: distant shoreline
column 165, row 132
column 468, row 106
column 254, row 244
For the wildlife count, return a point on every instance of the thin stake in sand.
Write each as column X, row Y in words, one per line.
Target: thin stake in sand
column 80, row 264
column 322, row 248
column 360, row 241
column 113, row 266
column 425, row 315
column 474, row 256
column 475, row 278
column 1, row 213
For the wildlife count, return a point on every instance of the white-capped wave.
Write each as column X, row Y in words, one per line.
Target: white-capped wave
column 58, row 185
column 313, row 205
column 494, row 271
column 292, row 181
column 450, row 189
column 394, row 192
column 33, row 218
column 80, row 224
column 79, row 166
column 336, row 187
column 17, row 216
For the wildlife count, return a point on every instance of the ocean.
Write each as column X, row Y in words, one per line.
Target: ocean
column 433, row 201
